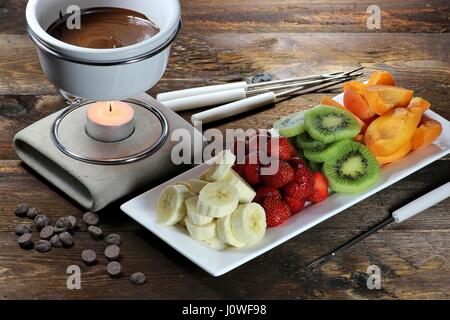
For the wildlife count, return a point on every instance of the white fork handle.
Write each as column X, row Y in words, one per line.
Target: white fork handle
column 171, row 95
column 234, row 108
column 205, row 100
column 422, row 203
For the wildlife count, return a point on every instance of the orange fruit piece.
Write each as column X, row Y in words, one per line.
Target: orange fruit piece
column 381, row 78
column 398, row 155
column 357, row 104
column 426, row 133
column 382, row 99
column 331, row 102
column 356, row 86
column 390, row 132
column 419, row 102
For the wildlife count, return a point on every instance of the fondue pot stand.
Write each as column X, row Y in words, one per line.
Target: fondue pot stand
column 95, row 173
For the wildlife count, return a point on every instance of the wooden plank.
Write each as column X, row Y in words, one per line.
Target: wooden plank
column 213, row 16
column 410, row 262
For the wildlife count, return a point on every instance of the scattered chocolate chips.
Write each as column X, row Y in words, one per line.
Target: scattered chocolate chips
column 33, row 213
column 41, row 221
column 90, row 218
column 261, row 77
column 25, row 240
column 114, row 239
column 66, row 239
column 95, row 232
column 55, row 242
column 21, row 210
column 114, row 268
column 46, row 232
column 88, row 256
column 138, row 278
column 112, row 252
column 21, row 229
column 43, row 246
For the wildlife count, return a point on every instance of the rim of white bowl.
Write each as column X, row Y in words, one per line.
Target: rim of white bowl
column 166, row 34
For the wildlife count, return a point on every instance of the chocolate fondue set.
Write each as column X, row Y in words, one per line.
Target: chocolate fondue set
column 113, row 139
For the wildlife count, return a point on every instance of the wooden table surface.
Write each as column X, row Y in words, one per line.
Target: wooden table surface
column 224, row 41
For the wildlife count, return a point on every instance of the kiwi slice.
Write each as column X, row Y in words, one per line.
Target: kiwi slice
column 329, row 124
column 321, row 154
column 291, row 125
column 304, row 141
column 351, row 168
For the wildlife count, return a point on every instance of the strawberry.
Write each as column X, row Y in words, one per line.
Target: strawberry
column 264, row 192
column 283, row 176
column 297, row 163
column 300, row 189
column 320, row 189
column 285, row 149
column 239, row 169
column 295, row 204
column 277, row 212
column 251, row 173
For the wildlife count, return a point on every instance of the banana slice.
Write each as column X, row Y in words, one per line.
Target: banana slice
column 246, row 193
column 215, row 243
column 170, row 207
column 248, row 222
column 225, row 234
column 217, row 199
column 192, row 213
column 204, row 232
column 196, row 185
column 221, row 166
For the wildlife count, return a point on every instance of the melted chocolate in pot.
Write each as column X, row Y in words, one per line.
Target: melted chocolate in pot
column 105, row 28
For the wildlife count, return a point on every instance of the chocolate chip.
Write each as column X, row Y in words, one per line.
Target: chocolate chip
column 25, row 240
column 61, row 223
column 138, row 278
column 22, row 229
column 55, row 242
column 114, row 268
column 59, row 230
column 41, row 221
column 95, row 232
column 90, row 218
column 46, row 232
column 112, row 252
column 43, row 246
column 114, row 239
column 66, row 239
column 88, row 256
column 21, row 210
column 261, row 77
column 33, row 212
column 70, row 222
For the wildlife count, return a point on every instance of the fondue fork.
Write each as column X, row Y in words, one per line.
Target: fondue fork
column 193, row 98
column 252, row 103
column 398, row 216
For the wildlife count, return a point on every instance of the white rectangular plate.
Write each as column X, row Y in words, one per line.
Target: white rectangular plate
column 143, row 210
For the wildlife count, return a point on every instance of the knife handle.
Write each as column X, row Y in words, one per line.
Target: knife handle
column 422, row 203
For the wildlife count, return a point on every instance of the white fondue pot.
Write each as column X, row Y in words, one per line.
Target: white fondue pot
column 104, row 74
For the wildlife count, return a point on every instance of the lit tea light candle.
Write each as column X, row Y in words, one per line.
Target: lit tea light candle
column 110, row 121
